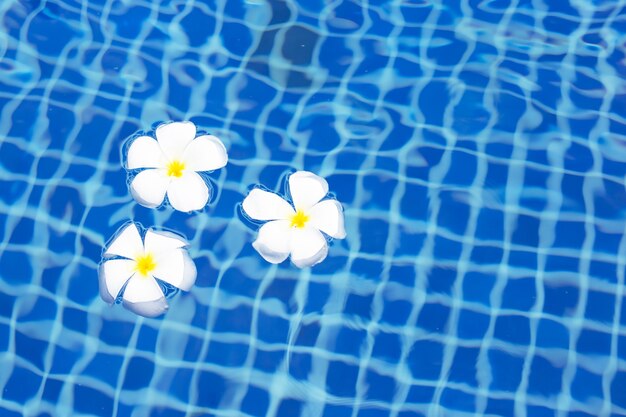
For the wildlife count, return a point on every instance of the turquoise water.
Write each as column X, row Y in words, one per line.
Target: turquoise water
column 477, row 148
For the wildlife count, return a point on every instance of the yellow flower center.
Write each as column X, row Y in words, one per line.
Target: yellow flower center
column 175, row 169
column 299, row 219
column 145, row 264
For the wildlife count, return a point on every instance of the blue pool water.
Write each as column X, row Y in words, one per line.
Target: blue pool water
column 478, row 148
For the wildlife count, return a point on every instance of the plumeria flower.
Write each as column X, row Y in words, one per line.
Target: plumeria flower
column 296, row 230
column 135, row 263
column 173, row 161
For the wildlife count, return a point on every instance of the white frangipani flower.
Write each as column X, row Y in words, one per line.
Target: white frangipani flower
column 296, row 230
column 131, row 261
column 173, row 161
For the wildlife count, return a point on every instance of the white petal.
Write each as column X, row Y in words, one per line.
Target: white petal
column 127, row 243
column 188, row 193
column 190, row 273
column 205, row 153
column 327, row 216
column 176, row 268
column 175, row 137
column 145, row 152
column 263, row 205
column 162, row 242
column 169, row 267
column 149, row 187
column 143, row 296
column 308, row 247
column 141, row 289
column 112, row 275
column 273, row 240
column 306, row 189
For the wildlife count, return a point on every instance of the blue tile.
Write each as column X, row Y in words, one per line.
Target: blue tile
column 7, row 303
column 300, row 365
column 552, row 334
column 387, row 346
column 506, row 371
column 425, row 360
column 236, row 320
column 374, row 235
column 255, row 402
column 454, row 213
column 600, row 307
column 64, row 360
column 586, row 386
column 380, row 387
column 526, row 231
column 433, row 317
column 318, row 297
column 227, row 354
column 105, row 367
column 359, row 306
column 513, row 329
column 91, row 401
column 272, row 329
column 560, row 300
column 594, row 342
column 15, row 267
column 341, row 379
column 350, row 341
column 289, row 407
column 178, row 384
column 211, row 387
column 441, row 280
column 455, row 399
column 464, row 367
column 5, row 332
column 337, row 411
column 486, row 255
column 367, row 268
column 307, row 334
column 138, row 374
column 268, row 361
column 545, row 377
column 161, row 411
column 373, row 412
column 22, row 385
column 511, row 296
column 13, row 159
column 618, row 385
column 540, row 411
column 31, row 349
column 477, row 287
column 472, row 325
column 419, row 394
column 52, row 389
column 500, row 407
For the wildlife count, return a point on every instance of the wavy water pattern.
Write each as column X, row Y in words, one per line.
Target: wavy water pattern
column 478, row 147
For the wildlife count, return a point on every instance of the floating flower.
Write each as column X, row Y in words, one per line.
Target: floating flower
column 296, row 230
column 173, row 161
column 135, row 263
